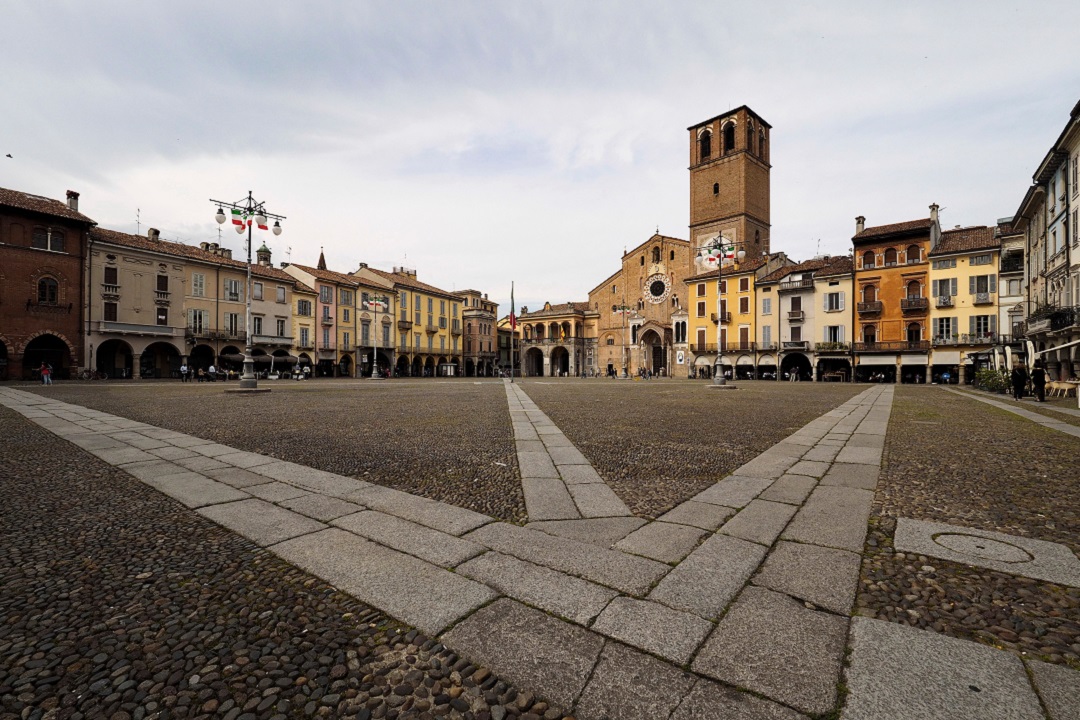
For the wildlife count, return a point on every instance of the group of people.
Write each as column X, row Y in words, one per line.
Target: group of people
column 190, row 374
column 1020, row 378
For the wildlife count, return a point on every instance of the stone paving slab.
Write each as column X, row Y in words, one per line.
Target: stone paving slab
column 790, row 489
column 530, row 446
column 1059, row 688
column 810, row 468
column 665, row 542
column 566, row 456
column 275, row 491
column 596, row 531
column 201, row 463
column 597, row 500
column 833, row 517
column 415, row 592
column 819, row 453
column 825, row 577
column 260, row 521
column 436, row 547
column 761, row 521
column 536, row 465
column 713, row 701
column 214, row 449
column 579, row 475
column 706, row 581
column 529, row 648
column 654, row 628
column 905, row 673
column 189, row 441
column 120, row 456
column 548, row 499
column 321, row 507
column 235, row 477
column 766, row 465
column 734, row 491
column 772, row 645
column 195, row 490
column 629, row 685
column 440, row 516
column 246, row 460
column 554, row 441
column 698, row 514
column 172, row 452
column 862, row 477
column 983, row 548
column 92, row 441
column 148, row 469
column 570, row 597
column 860, row 455
column 630, row 574
column 868, row 441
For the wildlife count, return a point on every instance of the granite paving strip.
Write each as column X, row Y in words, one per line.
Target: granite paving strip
column 654, row 628
column 825, row 577
column 547, row 498
column 1044, row 420
column 863, row 477
column 1059, row 688
column 770, row 644
column 320, row 507
column 261, row 522
column 761, row 521
column 833, row 517
column 529, row 648
column 193, row 489
column 790, row 489
column 630, row 574
column 706, row 581
column 734, row 491
column 435, row 547
column 416, row 592
column 713, row 701
column 665, row 542
column 905, row 673
column 698, row 514
column 201, row 463
column 604, row 532
column 235, row 477
column 439, row 516
column 570, row 597
column 629, row 685
column 597, row 500
column 276, row 491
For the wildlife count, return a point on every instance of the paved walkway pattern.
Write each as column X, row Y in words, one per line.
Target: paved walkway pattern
column 748, row 586
column 1017, row 409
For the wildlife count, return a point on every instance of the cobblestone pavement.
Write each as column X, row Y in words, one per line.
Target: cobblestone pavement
column 735, row 603
column 951, row 459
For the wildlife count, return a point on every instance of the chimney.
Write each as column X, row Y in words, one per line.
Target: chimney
column 226, row 253
column 933, row 213
column 204, row 246
column 284, row 265
column 73, row 200
column 363, row 265
column 213, row 248
column 860, row 225
column 152, row 234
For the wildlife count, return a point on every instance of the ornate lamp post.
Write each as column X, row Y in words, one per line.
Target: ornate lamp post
column 718, row 249
column 244, row 213
column 374, row 303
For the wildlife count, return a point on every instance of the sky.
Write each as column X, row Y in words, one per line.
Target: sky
column 482, row 143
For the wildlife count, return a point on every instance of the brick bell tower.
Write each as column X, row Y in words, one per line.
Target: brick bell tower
column 729, row 183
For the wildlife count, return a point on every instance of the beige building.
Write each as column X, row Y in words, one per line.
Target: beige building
column 480, row 342
column 557, row 340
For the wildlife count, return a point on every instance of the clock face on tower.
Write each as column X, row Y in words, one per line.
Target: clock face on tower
column 657, row 288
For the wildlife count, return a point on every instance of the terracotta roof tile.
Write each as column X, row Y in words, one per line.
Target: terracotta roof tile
column 923, row 224
column 979, row 237
column 804, row 266
column 566, row 308
column 837, row 265
column 39, row 204
column 329, row 275
column 411, row 282
column 744, row 267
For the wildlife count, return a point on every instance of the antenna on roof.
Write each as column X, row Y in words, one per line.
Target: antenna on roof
column 288, row 254
column 138, row 225
column 818, row 247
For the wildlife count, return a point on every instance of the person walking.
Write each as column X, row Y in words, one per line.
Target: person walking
column 46, row 374
column 183, row 373
column 1019, row 380
column 1038, row 379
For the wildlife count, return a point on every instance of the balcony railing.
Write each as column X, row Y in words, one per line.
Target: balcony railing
column 431, row 329
column 796, row 316
column 795, row 344
column 832, row 347
column 724, row 317
column 48, row 308
column 161, row 297
column 703, row 347
column 967, row 339
column 285, row 340
column 791, row 285
column 914, row 304
column 110, row 289
column 1011, row 264
column 983, row 298
column 944, row 301
column 763, row 346
column 1051, row 319
column 327, row 320
column 737, row 346
column 111, row 326
column 455, row 330
column 893, row 346
column 868, row 308
column 197, row 335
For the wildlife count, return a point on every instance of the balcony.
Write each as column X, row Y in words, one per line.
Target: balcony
column 795, row 345
column 914, row 304
column 703, row 348
column 111, row 326
column 48, row 308
column 110, row 291
column 893, row 346
column 967, row 339
column 282, row 340
column 724, row 318
column 1052, row 319
column 737, row 346
column 327, row 320
column 1011, row 264
column 796, row 316
column 196, row 336
column 431, row 329
column 764, row 346
column 347, row 347
column 832, row 347
column 870, row 308
column 793, row 285
column 403, row 324
column 983, row 298
column 302, row 345
column 161, row 298
column 944, row 301
column 456, row 331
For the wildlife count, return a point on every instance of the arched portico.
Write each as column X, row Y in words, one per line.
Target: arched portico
column 796, row 363
column 654, row 352
column 560, row 361
column 115, row 358
column 533, row 362
column 159, row 360
column 49, row 349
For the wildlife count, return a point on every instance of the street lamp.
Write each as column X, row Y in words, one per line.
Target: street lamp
column 624, row 310
column 373, row 304
column 243, row 213
column 720, row 251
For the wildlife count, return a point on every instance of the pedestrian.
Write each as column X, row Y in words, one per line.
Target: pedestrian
column 1038, row 379
column 1019, row 378
column 211, row 373
column 46, row 374
column 183, row 372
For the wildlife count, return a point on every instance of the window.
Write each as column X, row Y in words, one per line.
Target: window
column 326, row 294
column 705, row 144
column 655, row 255
column 750, row 137
column 642, row 258
column 442, row 323
column 944, row 264
column 978, row 284
column 345, row 297
column 232, row 324
column 430, row 305
column 744, row 284
column 761, row 143
column 914, row 289
column 890, row 257
column 232, row 290
column 701, row 309
column 914, row 333
column 256, row 291
column 796, row 333
column 256, row 325
column 386, row 334
column 198, row 321
column 766, row 306
column 1014, row 287
column 345, row 341
column 281, row 293
column 198, row 285
column 280, row 327
column 869, row 334
column 716, row 188
column 611, row 341
column 305, row 337
column 110, row 312
column 442, row 308
column 913, row 254
column 326, row 337
column 834, row 333
column 345, row 317
column 47, row 239
column 403, row 301
column 303, row 307
column 744, row 305
column 48, row 291
column 981, row 259
column 723, row 287
column 766, row 335
column 729, row 137
column 944, row 328
column 796, row 303
column 869, row 293
column 326, row 312
column 454, row 309
column 163, row 283
column 868, row 260
column 672, row 255
column 162, row 316
column 945, row 287
column 834, row 301
column 111, row 276
column 701, row 289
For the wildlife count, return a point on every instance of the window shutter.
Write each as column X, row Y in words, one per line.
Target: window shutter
column 971, row 284
column 993, row 283
column 190, row 315
column 842, row 330
column 841, row 299
column 971, row 325
column 993, row 323
column 934, row 288
column 952, row 282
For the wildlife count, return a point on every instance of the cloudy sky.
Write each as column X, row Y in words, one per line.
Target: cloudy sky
column 484, row 142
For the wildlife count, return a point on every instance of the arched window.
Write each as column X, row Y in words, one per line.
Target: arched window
column 868, row 259
column 48, row 291
column 914, row 289
column 729, row 137
column 468, row 328
column 869, row 293
column 890, row 257
column 643, row 261
column 656, row 255
column 914, row 332
column 47, row 239
column 750, row 136
column 869, row 334
column 761, row 144
column 757, row 237
column 672, row 255
column 705, row 144
column 610, row 340
column 913, row 254
column 716, row 188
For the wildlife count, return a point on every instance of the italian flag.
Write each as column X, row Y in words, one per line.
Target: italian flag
column 237, row 217
column 262, row 226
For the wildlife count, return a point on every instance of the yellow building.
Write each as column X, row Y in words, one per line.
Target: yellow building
column 429, row 326
column 335, row 318
column 377, row 309
column 963, row 299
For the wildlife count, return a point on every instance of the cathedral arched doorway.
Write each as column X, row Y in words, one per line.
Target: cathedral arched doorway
column 655, row 354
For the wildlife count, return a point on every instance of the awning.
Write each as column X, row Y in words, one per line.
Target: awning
column 946, row 357
column 766, row 360
column 745, row 360
column 913, row 359
column 877, row 360
column 232, row 358
column 285, row 359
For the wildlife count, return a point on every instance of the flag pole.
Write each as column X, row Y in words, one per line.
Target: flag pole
column 513, row 331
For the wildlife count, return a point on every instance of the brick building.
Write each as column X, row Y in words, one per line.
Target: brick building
column 42, row 251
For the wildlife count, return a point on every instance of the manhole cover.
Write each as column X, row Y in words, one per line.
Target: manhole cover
column 983, row 548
